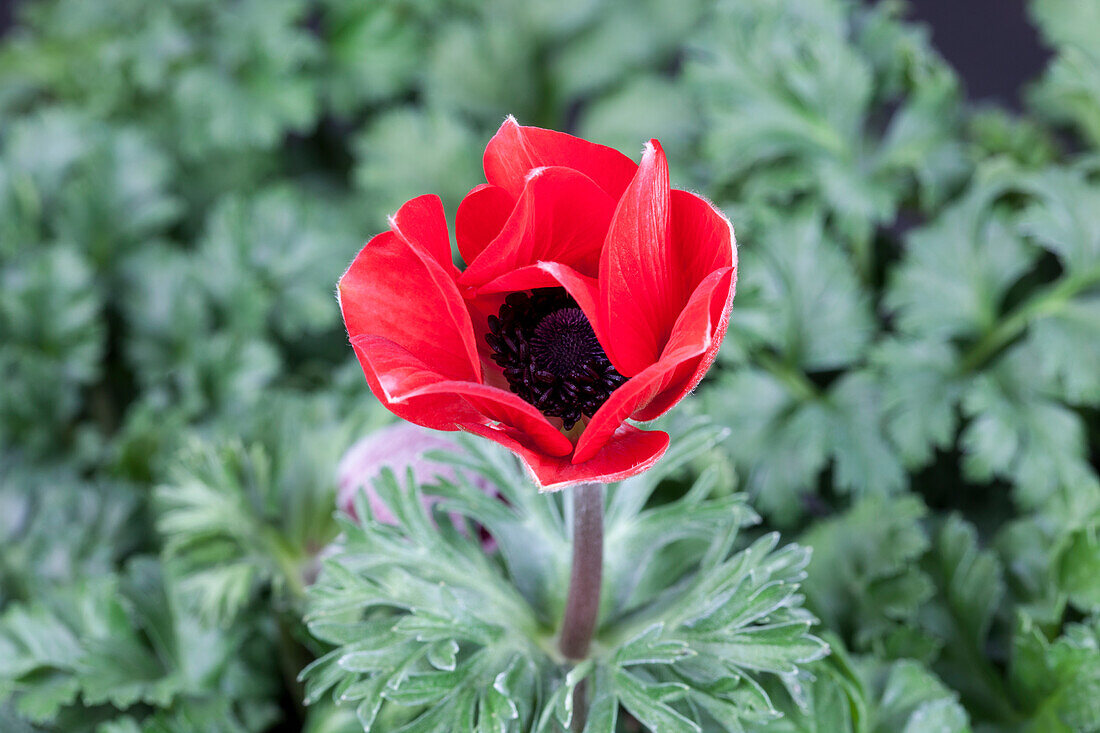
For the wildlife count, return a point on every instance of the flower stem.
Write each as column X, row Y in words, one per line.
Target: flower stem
column 583, row 603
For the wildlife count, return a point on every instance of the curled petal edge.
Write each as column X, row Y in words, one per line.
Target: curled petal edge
column 630, row 452
column 693, row 338
column 680, row 388
column 399, row 379
column 514, row 150
column 362, row 300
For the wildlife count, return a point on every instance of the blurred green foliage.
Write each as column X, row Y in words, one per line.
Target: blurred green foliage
column 911, row 382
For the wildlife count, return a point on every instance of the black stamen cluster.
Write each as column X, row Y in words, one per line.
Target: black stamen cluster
column 550, row 356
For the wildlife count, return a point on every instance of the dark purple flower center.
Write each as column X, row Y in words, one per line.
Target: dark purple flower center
column 550, row 355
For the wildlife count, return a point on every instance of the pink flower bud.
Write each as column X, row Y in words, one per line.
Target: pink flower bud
column 399, row 447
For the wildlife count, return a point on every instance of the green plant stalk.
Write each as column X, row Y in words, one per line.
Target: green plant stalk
column 793, row 378
column 583, row 602
column 1044, row 304
column 293, row 657
column 288, row 565
column 582, row 605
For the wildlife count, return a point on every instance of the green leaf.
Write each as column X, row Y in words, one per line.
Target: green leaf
column 1019, row 432
column 268, row 261
column 644, row 703
column 453, row 646
column 828, row 696
column 405, row 152
column 603, row 710
column 864, row 462
column 1064, row 343
column 911, row 699
column 972, row 578
column 958, row 268
column 1079, row 569
column 863, row 580
column 998, row 132
column 48, row 695
column 787, row 433
column 799, row 295
column 1069, row 92
column 789, row 100
column 53, row 344
column 615, row 43
column 121, row 641
column 371, row 52
column 99, row 518
column 236, row 519
column 648, row 648
column 464, row 63
column 777, row 648
column 977, row 330
column 921, row 389
column 1057, row 681
column 970, row 589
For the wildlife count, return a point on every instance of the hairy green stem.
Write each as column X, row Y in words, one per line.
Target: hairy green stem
column 583, row 603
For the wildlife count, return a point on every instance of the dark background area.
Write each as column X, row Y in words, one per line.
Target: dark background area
column 7, row 8
column 991, row 43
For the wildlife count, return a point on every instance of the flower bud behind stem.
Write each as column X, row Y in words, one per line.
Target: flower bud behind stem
column 583, row 603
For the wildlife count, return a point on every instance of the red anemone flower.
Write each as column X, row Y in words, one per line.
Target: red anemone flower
column 592, row 295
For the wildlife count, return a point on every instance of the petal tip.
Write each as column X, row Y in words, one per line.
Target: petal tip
column 652, row 148
column 535, row 173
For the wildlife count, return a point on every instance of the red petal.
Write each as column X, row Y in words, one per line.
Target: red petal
column 562, row 216
column 637, row 270
column 421, row 221
column 510, row 410
column 704, row 320
column 704, row 241
column 661, row 245
column 630, row 452
column 397, row 290
column 585, row 290
column 392, row 372
column 480, row 217
column 525, row 278
column 702, row 238
column 515, row 150
column 582, row 288
column 692, row 343
column 638, row 391
column 408, row 388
